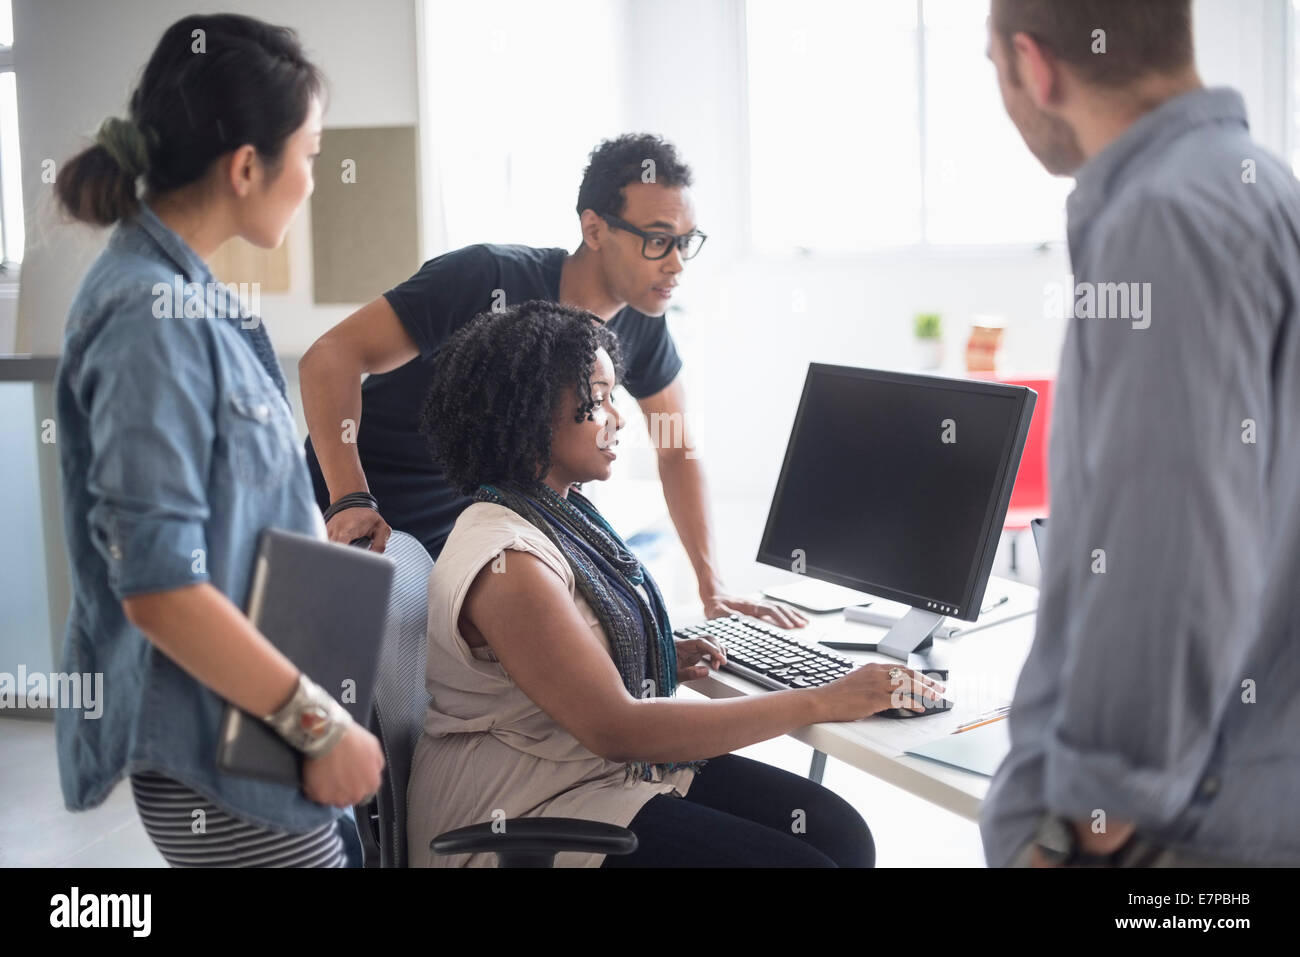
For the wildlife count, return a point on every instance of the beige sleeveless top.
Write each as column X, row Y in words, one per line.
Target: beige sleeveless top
column 488, row 752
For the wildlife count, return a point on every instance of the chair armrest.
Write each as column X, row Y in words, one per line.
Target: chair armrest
column 368, row 827
column 534, row 841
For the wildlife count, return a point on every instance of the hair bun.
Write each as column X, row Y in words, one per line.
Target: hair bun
column 125, row 142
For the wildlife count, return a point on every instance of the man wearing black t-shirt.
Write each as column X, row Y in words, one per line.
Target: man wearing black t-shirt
column 638, row 226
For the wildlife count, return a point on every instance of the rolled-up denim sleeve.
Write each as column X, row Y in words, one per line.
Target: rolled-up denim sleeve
column 1162, row 553
column 146, row 385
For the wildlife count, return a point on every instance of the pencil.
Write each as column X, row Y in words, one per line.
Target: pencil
column 972, row 727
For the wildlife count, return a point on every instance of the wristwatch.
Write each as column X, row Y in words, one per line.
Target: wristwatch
column 311, row 721
column 1057, row 841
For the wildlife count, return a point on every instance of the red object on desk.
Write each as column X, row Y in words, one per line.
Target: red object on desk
column 1029, row 496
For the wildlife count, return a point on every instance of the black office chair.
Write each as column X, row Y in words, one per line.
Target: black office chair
column 397, row 719
column 400, row 702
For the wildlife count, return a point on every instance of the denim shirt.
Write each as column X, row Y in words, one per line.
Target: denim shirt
column 177, row 448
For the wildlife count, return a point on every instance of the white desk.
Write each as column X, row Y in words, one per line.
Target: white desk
column 983, row 667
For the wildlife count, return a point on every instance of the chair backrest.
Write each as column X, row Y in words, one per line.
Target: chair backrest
column 400, row 701
column 1029, row 496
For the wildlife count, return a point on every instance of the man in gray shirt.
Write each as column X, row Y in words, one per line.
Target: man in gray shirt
column 1157, row 719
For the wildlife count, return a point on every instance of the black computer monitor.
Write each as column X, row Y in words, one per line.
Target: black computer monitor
column 897, row 485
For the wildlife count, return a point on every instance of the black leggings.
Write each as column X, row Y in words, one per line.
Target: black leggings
column 742, row 813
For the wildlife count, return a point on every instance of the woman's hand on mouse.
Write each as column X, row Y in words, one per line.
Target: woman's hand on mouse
column 870, row 689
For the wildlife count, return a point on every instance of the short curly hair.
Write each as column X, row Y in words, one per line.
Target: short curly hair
column 497, row 384
column 616, row 163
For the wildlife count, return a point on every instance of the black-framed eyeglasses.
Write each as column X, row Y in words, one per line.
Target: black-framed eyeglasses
column 657, row 245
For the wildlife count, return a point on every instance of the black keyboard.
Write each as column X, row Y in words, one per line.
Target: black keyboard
column 767, row 656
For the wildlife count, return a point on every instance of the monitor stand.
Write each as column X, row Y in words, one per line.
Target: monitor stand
column 910, row 640
column 913, row 631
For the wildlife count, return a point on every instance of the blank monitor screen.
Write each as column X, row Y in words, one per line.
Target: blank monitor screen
column 898, row 484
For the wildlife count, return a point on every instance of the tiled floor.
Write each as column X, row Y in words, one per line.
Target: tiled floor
column 36, row 831
column 35, row 828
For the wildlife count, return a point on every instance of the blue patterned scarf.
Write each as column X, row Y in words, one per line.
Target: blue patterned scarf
column 606, row 574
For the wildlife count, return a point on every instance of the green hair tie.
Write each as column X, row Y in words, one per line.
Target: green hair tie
column 125, row 143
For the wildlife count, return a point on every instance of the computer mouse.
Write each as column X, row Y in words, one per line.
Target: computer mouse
column 931, row 707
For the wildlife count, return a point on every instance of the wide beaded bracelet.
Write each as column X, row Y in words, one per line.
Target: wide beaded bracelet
column 311, row 721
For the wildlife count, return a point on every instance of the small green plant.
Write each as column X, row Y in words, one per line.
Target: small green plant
column 928, row 325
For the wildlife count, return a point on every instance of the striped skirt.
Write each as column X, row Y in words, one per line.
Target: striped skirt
column 167, row 810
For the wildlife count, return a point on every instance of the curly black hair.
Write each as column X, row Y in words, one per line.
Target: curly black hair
column 497, row 384
column 616, row 163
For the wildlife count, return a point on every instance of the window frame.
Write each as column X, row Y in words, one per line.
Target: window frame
column 1290, row 63
column 10, row 269
column 925, row 248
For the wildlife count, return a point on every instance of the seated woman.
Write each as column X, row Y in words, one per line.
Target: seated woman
column 552, row 664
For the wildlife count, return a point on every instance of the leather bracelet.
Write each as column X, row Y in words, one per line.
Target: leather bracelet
column 311, row 721
column 352, row 500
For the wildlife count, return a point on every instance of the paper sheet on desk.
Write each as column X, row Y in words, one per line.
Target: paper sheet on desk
column 980, row 749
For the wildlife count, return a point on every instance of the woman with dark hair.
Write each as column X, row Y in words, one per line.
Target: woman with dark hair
column 552, row 664
column 177, row 448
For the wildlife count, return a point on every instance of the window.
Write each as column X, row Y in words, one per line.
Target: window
column 1295, row 86
column 508, row 145
column 880, row 124
column 11, row 187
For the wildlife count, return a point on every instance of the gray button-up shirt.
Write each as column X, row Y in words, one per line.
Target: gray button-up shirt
column 1162, row 683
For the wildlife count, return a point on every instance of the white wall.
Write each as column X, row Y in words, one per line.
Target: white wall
column 77, row 61
column 8, row 315
column 1247, row 44
column 747, row 327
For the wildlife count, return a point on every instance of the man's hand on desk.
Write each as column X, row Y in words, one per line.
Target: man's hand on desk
column 783, row 616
